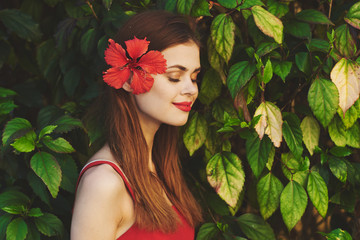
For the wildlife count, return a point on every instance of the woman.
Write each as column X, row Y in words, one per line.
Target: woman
column 132, row 188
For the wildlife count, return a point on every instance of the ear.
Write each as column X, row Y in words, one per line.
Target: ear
column 127, row 87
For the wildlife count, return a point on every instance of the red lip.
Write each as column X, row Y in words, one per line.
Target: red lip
column 183, row 106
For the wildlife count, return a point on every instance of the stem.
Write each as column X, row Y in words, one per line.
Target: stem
column 330, row 7
column 92, row 9
column 263, row 92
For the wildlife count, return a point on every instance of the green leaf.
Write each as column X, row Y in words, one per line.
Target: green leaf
column 298, row 29
column 35, row 212
column 38, row 187
column 337, row 234
column 17, row 209
column 214, row 58
column 268, row 72
column 239, row 74
column 48, row 169
column 265, row 48
column 66, row 123
column 6, row 107
column 47, row 130
column 292, row 165
column 338, row 168
column 282, row 69
column 15, row 128
column 293, row 201
column 318, row 192
column 350, row 117
column 276, row 8
column 226, row 175
column 210, row 87
column 292, row 134
column 33, row 233
column 257, row 153
column 250, row 3
column 25, row 143
column 16, row 230
column 353, row 16
column 59, row 145
column 340, row 151
column 344, row 42
column 107, row 4
column 71, row 80
column 207, row 231
column 4, row 92
column 311, row 133
column 49, row 225
column 270, row 161
column 88, row 41
column 222, row 35
column 4, row 221
column 195, row 133
column 337, row 132
column 313, row 16
column 255, row 227
column 268, row 23
column 184, row 6
column 13, row 198
column 353, row 136
column 70, row 173
column 323, row 99
column 269, row 189
column 200, row 8
column 318, row 45
column 20, row 23
column 228, row 3
column 302, row 62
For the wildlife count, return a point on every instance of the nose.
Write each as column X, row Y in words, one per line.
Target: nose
column 190, row 87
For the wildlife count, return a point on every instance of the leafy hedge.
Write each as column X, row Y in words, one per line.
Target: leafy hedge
column 273, row 141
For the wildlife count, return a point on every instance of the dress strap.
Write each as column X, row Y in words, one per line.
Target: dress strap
column 114, row 166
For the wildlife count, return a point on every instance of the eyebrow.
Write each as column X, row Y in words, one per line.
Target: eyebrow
column 182, row 68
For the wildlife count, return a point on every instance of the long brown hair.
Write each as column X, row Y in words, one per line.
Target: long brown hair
column 127, row 142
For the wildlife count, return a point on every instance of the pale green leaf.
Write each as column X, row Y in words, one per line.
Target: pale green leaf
column 269, row 189
column 338, row 167
column 239, row 74
column 16, row 230
column 345, row 75
column 49, row 225
column 195, row 133
column 48, row 169
column 350, row 117
column 268, row 72
column 344, row 42
column 255, row 227
column 25, row 143
column 222, row 35
column 270, row 122
column 337, row 132
column 293, row 201
column 268, row 23
column 311, row 133
column 226, row 175
column 353, row 136
column 15, row 128
column 47, row 130
column 282, row 69
column 257, row 153
column 59, row 145
column 318, row 192
column 293, row 134
column 323, row 99
column 353, row 16
column 337, row 234
column 270, row 161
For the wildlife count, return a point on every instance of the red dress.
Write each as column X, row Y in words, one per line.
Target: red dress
column 183, row 232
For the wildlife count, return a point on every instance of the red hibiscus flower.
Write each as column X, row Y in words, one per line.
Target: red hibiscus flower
column 138, row 66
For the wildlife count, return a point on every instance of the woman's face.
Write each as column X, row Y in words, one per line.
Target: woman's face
column 174, row 92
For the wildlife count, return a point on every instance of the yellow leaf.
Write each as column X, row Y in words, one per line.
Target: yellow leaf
column 270, row 122
column 345, row 76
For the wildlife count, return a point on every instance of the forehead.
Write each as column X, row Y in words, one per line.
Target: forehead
column 187, row 55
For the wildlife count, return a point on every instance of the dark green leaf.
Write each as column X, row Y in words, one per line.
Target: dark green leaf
column 222, row 35
column 49, row 225
column 282, row 69
column 257, row 153
column 207, row 231
column 4, row 221
column 226, row 175
column 353, row 136
column 210, row 87
column 33, row 233
column 340, row 151
column 292, row 134
column 318, row 192
column 66, row 123
column 298, row 29
column 338, row 168
column 313, row 16
column 228, row 3
column 323, row 99
column 303, row 62
column 48, row 169
column 88, row 41
column 255, row 227
column 70, row 173
column 6, row 107
column 250, row 3
column 265, row 48
column 15, row 128
column 269, row 189
column 318, row 45
column 71, row 80
column 38, row 186
column 353, row 16
column 276, row 8
column 16, row 230
column 13, row 198
column 293, row 201
column 195, row 133
column 4, row 92
column 239, row 74
column 200, row 8
column 20, row 23
column 184, row 6
column 107, row 4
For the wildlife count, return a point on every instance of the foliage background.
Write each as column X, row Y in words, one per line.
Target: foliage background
column 275, row 130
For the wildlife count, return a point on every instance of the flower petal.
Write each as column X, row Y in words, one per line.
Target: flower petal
column 153, row 62
column 141, row 82
column 116, row 77
column 136, row 47
column 115, row 55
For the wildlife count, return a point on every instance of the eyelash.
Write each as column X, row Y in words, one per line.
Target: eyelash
column 177, row 80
